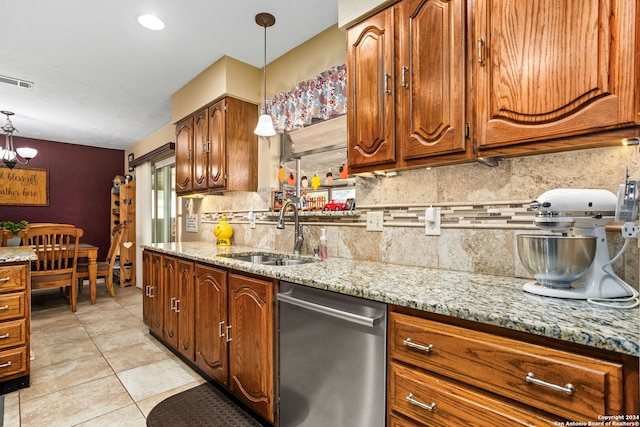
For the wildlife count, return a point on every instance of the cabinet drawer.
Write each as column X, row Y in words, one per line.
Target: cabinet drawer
column 503, row 366
column 12, row 306
column 13, row 278
column 13, row 333
column 411, row 392
column 13, row 361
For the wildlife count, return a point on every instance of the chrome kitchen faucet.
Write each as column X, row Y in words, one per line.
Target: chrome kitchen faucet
column 298, row 238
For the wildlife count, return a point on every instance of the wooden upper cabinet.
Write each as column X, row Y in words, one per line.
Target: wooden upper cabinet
column 407, row 74
column 217, row 147
column 431, row 73
column 184, row 152
column 550, row 69
column 201, row 150
column 371, row 112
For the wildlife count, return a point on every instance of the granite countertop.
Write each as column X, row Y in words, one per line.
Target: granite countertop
column 494, row 300
column 16, row 254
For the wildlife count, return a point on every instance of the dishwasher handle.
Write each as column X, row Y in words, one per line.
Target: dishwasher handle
column 349, row 316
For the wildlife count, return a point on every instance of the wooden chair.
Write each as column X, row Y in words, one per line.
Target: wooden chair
column 56, row 246
column 105, row 268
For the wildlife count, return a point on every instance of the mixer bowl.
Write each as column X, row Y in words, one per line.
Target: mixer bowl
column 556, row 261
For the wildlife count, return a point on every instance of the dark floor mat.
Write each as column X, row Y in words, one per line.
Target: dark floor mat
column 203, row 405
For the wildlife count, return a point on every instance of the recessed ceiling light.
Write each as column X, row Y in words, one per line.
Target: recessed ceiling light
column 151, row 22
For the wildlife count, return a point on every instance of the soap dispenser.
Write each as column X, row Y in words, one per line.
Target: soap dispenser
column 323, row 244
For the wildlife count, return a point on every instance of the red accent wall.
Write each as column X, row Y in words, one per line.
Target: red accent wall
column 79, row 188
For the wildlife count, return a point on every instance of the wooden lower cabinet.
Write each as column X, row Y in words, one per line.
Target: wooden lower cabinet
column 250, row 336
column 15, row 315
column 449, row 375
column 221, row 321
column 152, row 314
column 211, row 322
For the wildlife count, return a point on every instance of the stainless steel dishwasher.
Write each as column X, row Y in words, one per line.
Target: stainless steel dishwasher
column 332, row 359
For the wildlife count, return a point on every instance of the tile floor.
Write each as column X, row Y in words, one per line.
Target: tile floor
column 96, row 367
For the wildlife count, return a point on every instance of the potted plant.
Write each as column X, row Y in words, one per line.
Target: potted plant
column 15, row 228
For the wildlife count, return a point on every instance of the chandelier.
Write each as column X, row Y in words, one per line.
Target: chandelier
column 265, row 123
column 9, row 156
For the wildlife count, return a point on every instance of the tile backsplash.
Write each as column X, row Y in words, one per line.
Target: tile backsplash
column 482, row 210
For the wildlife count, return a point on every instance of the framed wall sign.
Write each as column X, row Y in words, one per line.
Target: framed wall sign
column 24, row 187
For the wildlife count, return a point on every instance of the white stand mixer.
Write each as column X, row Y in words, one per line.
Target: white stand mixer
column 586, row 212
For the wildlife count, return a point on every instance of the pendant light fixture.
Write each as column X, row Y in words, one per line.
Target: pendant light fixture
column 265, row 123
column 9, row 156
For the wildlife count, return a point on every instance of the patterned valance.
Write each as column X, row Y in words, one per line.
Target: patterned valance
column 319, row 98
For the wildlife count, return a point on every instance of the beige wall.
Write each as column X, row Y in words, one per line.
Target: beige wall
column 227, row 76
column 352, row 11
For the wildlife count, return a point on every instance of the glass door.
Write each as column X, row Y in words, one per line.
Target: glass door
column 163, row 207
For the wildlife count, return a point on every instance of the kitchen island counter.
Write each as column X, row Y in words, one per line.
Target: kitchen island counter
column 492, row 300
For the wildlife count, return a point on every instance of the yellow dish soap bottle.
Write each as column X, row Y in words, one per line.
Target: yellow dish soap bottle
column 223, row 232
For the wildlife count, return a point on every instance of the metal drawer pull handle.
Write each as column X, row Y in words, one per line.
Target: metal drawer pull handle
column 569, row 388
column 5, row 279
column 173, row 304
column 220, row 331
column 228, row 334
column 5, row 336
column 425, row 348
column 5, row 365
column 385, row 83
column 481, row 53
column 411, row 400
column 4, row 307
column 405, row 85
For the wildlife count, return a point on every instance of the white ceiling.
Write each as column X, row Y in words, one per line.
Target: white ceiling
column 101, row 79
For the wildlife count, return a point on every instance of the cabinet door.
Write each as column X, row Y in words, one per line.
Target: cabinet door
column 156, row 314
column 431, row 70
column 549, row 68
column 251, row 342
column 211, row 322
column 146, row 288
column 169, row 292
column 371, row 112
column 217, row 146
column 184, row 156
column 184, row 309
column 200, row 150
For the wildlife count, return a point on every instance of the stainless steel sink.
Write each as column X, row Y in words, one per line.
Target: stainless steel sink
column 268, row 259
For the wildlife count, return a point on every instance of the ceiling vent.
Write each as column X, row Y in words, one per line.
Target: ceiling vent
column 16, row 82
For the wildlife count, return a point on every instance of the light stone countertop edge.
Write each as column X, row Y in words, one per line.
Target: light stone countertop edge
column 493, row 300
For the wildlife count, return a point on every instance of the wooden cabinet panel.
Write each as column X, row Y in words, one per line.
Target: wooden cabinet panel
column 184, row 308
column 15, row 321
column 432, row 77
column 438, row 402
column 169, row 290
column 241, row 145
column 201, row 150
column 155, row 296
column 13, row 278
column 211, row 322
column 13, row 362
column 217, row 147
column 184, row 156
column 371, row 114
column 550, row 69
column 502, row 365
column 13, row 333
column 13, row 306
column 251, row 342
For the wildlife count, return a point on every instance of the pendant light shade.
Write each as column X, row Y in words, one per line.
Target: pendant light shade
column 265, row 123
